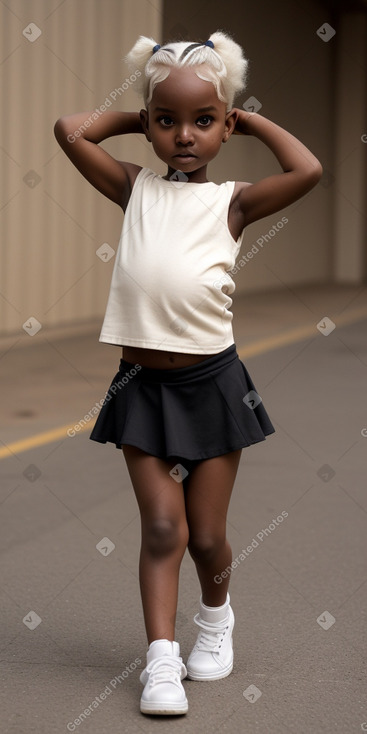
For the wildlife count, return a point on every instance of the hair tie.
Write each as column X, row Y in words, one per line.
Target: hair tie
column 156, row 48
column 209, row 43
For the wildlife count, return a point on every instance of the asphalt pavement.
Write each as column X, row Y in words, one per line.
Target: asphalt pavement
column 72, row 631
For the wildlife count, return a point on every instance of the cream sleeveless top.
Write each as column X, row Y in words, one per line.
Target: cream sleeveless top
column 170, row 287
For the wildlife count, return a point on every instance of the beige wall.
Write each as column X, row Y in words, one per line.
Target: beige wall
column 51, row 229
column 350, row 210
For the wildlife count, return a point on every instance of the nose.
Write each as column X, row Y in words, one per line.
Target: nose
column 184, row 135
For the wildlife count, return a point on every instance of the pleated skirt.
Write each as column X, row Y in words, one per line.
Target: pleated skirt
column 194, row 413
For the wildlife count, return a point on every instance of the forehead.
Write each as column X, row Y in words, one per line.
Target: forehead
column 183, row 87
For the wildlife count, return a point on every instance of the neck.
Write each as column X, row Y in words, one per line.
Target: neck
column 197, row 176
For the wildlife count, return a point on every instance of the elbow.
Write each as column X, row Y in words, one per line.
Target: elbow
column 313, row 174
column 59, row 128
column 318, row 171
column 62, row 132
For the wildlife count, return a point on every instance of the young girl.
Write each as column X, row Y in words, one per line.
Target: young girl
column 182, row 405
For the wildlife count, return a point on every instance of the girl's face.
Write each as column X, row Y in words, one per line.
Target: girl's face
column 187, row 123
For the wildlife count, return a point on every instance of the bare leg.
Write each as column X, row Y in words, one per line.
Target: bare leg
column 207, row 498
column 164, row 539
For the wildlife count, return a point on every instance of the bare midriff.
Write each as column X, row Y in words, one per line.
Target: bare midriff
column 158, row 359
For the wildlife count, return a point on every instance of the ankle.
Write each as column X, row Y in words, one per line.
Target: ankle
column 159, row 639
column 214, row 615
column 208, row 603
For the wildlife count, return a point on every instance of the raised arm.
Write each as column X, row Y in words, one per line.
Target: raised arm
column 79, row 135
column 301, row 170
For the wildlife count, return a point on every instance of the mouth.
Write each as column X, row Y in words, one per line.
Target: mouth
column 185, row 156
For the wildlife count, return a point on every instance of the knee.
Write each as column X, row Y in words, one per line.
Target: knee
column 165, row 537
column 205, row 546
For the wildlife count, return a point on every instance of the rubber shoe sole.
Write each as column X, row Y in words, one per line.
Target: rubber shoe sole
column 223, row 673
column 162, row 709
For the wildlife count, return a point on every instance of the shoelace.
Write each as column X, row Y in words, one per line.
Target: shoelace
column 210, row 637
column 165, row 669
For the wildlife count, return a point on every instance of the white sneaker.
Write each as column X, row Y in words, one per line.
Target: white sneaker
column 212, row 655
column 163, row 692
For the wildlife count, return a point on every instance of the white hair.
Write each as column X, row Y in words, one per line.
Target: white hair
column 223, row 64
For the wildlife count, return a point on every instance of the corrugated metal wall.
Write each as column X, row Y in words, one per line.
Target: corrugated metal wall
column 58, row 58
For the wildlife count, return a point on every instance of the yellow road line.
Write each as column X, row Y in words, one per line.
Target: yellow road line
column 253, row 349
column 39, row 439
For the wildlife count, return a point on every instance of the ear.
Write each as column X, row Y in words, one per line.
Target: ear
column 230, row 124
column 144, row 119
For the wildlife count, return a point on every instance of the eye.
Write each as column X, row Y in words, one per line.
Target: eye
column 205, row 120
column 165, row 120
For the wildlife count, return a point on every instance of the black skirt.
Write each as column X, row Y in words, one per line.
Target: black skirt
column 195, row 412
